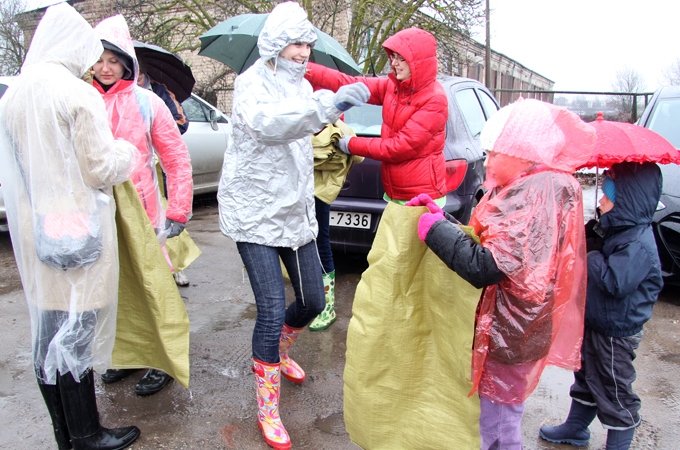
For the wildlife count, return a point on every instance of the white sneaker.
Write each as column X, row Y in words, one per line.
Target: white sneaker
column 180, row 278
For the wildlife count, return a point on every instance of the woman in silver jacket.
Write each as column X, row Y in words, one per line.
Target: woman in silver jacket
column 58, row 162
column 266, row 196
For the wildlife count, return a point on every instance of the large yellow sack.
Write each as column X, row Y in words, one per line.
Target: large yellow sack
column 152, row 327
column 407, row 370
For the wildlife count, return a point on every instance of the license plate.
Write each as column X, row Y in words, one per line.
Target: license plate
column 350, row 219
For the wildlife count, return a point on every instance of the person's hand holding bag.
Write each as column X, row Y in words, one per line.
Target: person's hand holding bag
column 173, row 228
column 424, row 200
column 426, row 221
column 354, row 94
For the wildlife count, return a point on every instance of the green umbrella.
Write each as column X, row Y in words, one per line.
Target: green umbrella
column 234, row 43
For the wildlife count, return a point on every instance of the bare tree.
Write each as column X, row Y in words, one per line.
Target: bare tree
column 672, row 73
column 628, row 81
column 176, row 24
column 12, row 48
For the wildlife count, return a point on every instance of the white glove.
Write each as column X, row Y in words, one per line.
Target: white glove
column 343, row 144
column 354, row 94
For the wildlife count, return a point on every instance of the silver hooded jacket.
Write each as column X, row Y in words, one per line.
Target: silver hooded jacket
column 266, row 193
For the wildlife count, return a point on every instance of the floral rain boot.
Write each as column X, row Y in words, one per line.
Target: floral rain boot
column 268, row 384
column 289, row 368
column 326, row 318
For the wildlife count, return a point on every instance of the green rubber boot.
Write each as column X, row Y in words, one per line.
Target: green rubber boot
column 326, row 318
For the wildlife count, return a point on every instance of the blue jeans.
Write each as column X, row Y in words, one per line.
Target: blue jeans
column 266, row 280
column 323, row 240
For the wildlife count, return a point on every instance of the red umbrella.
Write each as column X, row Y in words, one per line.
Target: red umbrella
column 625, row 142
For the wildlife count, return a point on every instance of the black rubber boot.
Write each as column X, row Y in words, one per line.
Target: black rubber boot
column 620, row 439
column 50, row 393
column 574, row 431
column 82, row 417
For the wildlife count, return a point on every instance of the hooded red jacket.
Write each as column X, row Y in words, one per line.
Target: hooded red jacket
column 414, row 114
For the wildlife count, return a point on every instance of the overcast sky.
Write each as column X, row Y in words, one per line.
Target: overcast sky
column 581, row 44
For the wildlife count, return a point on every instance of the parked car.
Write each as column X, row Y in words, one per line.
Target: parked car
column 356, row 213
column 662, row 115
column 207, row 135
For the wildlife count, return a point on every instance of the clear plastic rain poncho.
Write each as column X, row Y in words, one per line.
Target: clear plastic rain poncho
column 58, row 161
column 532, row 221
column 141, row 117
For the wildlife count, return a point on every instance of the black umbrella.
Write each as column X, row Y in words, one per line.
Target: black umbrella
column 166, row 68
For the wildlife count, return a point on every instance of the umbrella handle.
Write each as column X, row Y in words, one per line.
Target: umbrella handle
column 597, row 184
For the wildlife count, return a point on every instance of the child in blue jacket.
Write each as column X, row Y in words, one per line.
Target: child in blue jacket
column 624, row 281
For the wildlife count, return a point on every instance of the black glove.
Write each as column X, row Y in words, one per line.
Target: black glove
column 594, row 236
column 173, row 228
column 590, row 228
column 594, row 243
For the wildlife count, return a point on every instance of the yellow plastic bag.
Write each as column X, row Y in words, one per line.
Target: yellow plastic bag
column 152, row 327
column 407, row 370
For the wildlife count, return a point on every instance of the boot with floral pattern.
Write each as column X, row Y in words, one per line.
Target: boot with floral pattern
column 289, row 368
column 326, row 318
column 268, row 384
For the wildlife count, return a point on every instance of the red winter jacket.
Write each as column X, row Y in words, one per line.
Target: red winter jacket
column 414, row 114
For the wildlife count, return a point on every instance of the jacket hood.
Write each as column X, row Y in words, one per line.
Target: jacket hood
column 64, row 37
column 115, row 30
column 419, row 49
column 286, row 24
column 638, row 189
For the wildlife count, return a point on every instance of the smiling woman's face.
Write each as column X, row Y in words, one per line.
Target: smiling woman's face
column 297, row 52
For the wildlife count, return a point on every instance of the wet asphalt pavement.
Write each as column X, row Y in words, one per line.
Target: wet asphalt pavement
column 218, row 411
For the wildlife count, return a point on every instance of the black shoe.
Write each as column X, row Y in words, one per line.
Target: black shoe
column 152, row 382
column 113, row 375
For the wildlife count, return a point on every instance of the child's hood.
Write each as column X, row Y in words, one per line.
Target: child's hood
column 638, row 189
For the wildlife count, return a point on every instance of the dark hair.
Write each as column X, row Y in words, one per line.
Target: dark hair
column 124, row 58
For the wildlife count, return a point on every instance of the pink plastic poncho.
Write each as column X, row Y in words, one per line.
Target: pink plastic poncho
column 533, row 225
column 142, row 118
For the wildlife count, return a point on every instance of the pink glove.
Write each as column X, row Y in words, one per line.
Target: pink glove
column 426, row 221
column 424, row 200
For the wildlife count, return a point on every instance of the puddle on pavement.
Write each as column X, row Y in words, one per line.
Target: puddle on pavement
column 333, row 424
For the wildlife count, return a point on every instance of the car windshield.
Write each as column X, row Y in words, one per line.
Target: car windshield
column 365, row 120
column 664, row 118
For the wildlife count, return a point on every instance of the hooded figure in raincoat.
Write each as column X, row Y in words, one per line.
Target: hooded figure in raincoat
column 141, row 117
column 58, row 161
column 531, row 259
column 266, row 196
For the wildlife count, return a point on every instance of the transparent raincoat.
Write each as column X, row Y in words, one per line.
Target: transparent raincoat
column 532, row 221
column 141, row 117
column 58, row 161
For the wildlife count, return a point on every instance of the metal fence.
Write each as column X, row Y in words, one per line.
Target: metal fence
column 637, row 101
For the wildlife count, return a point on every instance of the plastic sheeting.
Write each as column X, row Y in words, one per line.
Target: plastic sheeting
column 407, row 370
column 59, row 159
column 153, row 325
column 532, row 221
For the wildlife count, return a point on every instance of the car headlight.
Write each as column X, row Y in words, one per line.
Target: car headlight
column 660, row 206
